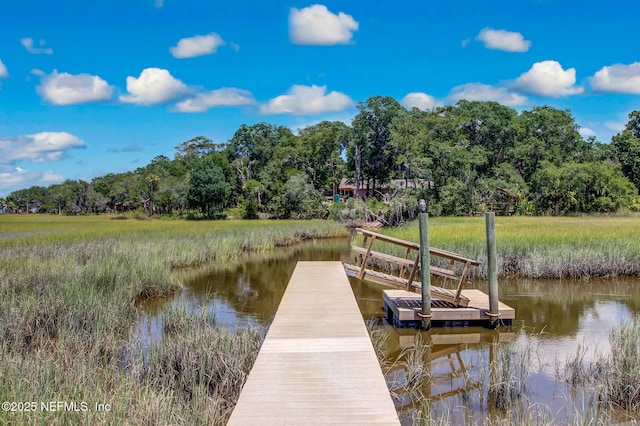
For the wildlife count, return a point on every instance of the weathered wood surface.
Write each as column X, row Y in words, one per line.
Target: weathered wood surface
column 410, row 265
column 478, row 306
column 317, row 364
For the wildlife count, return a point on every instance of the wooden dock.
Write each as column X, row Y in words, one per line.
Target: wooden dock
column 402, row 308
column 317, row 364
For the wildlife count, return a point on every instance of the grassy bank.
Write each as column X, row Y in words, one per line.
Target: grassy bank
column 68, row 288
column 541, row 247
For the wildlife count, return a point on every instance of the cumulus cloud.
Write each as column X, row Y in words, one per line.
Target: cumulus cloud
column 419, row 100
column 38, row 148
column 14, row 178
column 316, row 25
column 197, row 46
column 618, row 78
column 3, row 70
column 28, row 44
column 485, row 92
column 154, row 86
column 547, row 78
column 507, row 41
column 306, row 100
column 227, row 96
column 67, row 89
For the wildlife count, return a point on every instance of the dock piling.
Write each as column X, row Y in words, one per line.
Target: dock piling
column 425, row 266
column 492, row 269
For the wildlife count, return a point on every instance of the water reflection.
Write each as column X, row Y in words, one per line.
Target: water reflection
column 248, row 293
column 553, row 318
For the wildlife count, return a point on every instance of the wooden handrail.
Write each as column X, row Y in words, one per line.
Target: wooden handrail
column 366, row 252
column 415, row 246
column 382, row 237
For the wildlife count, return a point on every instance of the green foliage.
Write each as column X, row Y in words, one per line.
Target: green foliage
column 583, row 187
column 627, row 148
column 469, row 157
column 208, row 188
column 301, row 200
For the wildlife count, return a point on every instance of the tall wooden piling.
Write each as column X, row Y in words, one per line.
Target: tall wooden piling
column 492, row 269
column 425, row 266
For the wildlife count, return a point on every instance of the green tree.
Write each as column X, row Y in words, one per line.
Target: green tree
column 370, row 151
column 208, row 189
column 626, row 146
column 410, row 135
column 321, row 146
column 194, row 148
column 488, row 125
column 592, row 187
column 546, row 134
column 302, row 200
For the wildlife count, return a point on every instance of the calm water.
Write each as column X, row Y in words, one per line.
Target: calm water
column 553, row 318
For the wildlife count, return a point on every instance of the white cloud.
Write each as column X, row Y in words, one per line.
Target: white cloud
column 227, row 96
column 503, row 40
column 618, row 78
column 316, row 25
column 67, row 89
column 159, row 3
column 3, row 70
column 547, row 78
column 197, row 46
column 419, row 100
column 485, row 92
column 585, row 131
column 154, row 86
column 306, row 100
column 38, row 148
column 12, row 179
column 27, row 42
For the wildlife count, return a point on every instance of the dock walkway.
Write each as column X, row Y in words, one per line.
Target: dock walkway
column 317, row 364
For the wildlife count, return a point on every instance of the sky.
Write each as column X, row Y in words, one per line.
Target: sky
column 95, row 87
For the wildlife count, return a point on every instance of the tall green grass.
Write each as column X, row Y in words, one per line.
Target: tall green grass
column 540, row 247
column 68, row 288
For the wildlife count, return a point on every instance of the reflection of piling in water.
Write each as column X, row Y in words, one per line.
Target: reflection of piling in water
column 439, row 361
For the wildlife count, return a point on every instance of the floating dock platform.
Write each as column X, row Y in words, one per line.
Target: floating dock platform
column 401, row 309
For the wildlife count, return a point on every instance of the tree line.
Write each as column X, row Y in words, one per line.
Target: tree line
column 463, row 158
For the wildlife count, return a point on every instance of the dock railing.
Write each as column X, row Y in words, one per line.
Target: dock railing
column 410, row 264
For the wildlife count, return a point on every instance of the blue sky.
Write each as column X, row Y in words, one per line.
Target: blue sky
column 88, row 88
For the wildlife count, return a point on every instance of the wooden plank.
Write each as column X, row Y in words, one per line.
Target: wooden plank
column 385, row 256
column 317, row 364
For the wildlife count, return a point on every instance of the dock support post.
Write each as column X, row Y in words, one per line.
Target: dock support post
column 425, row 266
column 492, row 269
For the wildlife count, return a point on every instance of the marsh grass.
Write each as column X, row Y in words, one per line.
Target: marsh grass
column 68, row 289
column 540, row 247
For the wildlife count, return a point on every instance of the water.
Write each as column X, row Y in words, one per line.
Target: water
column 553, row 319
